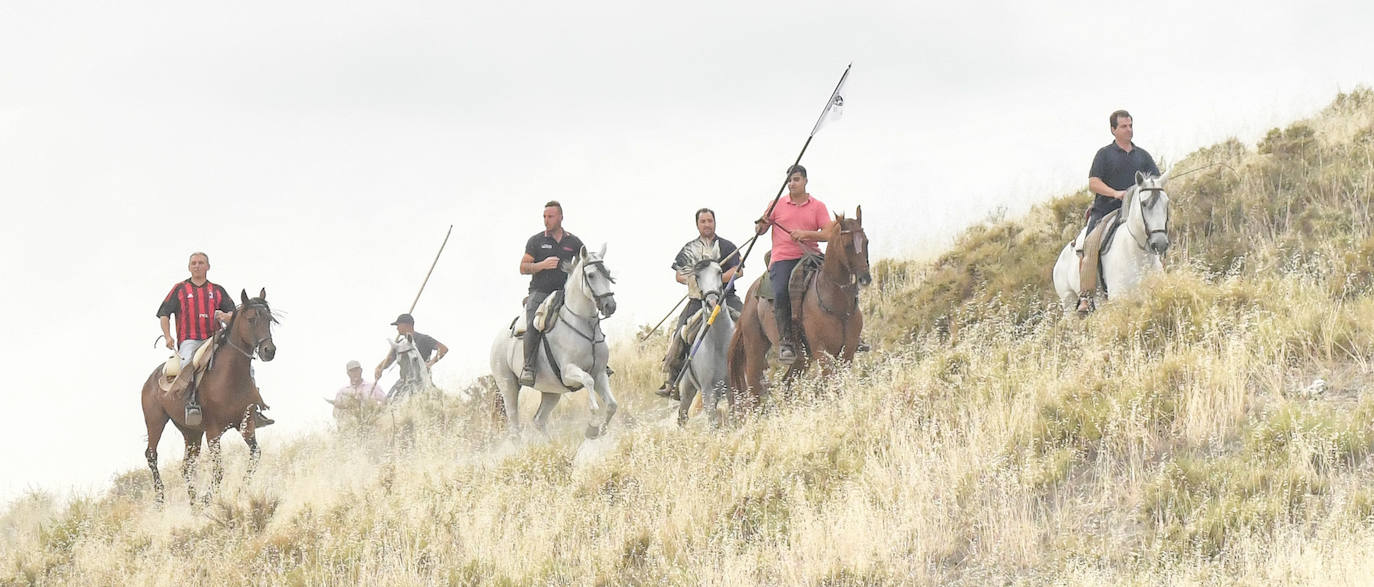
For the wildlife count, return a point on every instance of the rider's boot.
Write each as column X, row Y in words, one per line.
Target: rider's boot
column 260, row 419
column 531, row 347
column 787, row 348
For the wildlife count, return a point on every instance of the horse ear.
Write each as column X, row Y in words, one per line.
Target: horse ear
column 1139, row 178
column 582, row 253
column 243, row 295
column 859, row 214
column 1164, row 176
column 602, row 254
column 262, row 295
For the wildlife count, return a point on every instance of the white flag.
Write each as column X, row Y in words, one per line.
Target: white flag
column 834, row 109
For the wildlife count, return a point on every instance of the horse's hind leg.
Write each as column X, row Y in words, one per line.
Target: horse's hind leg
column 156, row 424
column 250, row 437
column 547, row 403
column 188, row 465
column 216, row 463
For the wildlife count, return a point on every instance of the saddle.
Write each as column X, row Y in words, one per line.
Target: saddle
column 1109, row 224
column 200, row 361
column 545, row 316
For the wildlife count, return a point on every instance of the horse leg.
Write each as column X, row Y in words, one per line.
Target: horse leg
column 216, row 463
column 188, row 464
column 547, row 402
column 510, row 400
column 710, row 398
column 688, row 392
column 601, row 387
column 250, row 437
column 156, row 424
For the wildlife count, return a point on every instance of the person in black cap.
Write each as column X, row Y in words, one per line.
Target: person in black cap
column 424, row 343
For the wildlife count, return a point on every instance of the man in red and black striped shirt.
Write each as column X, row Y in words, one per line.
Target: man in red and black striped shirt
column 199, row 306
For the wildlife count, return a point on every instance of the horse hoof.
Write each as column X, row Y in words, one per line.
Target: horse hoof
column 593, row 432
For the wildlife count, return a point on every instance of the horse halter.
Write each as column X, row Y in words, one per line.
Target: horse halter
column 229, row 330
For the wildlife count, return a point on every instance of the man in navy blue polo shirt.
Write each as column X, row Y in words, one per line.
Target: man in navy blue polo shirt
column 1112, row 174
column 543, row 253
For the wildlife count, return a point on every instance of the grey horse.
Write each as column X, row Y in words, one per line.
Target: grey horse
column 706, row 370
column 578, row 346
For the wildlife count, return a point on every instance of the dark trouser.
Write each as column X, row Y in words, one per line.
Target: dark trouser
column 780, row 272
column 531, row 339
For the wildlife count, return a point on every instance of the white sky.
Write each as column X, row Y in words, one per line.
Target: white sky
column 321, row 149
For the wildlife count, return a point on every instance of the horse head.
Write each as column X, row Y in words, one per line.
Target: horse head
column 251, row 326
column 1151, row 204
column 595, row 279
column 848, row 234
column 710, row 281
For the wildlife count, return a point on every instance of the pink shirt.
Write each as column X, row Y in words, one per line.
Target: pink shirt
column 365, row 390
column 810, row 215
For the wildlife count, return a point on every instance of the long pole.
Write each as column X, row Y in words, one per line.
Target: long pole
column 431, row 269
column 702, row 336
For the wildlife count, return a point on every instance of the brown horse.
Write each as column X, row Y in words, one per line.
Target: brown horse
column 228, row 397
column 830, row 321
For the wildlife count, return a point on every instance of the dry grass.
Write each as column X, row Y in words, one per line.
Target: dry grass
column 1174, row 437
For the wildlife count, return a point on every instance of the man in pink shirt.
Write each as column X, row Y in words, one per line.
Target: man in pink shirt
column 797, row 221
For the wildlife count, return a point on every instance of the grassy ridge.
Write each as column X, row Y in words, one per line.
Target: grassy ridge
column 1180, row 435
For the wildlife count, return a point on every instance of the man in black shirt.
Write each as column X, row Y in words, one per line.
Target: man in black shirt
column 706, row 246
column 1112, row 174
column 544, row 252
column 424, row 343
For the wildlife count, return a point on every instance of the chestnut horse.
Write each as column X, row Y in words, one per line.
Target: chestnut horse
column 228, row 397
column 829, row 324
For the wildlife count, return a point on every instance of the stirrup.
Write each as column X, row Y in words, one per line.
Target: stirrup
column 193, row 415
column 527, row 376
column 260, row 420
column 1085, row 306
column 666, row 390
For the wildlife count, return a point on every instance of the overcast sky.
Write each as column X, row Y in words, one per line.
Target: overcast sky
column 321, row 150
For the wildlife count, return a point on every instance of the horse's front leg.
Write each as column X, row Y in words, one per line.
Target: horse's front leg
column 250, row 437
column 601, row 385
column 216, row 464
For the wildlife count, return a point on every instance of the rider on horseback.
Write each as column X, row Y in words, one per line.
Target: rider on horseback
column 706, row 246
column 200, row 306
column 426, row 345
column 1113, row 172
column 543, row 253
column 798, row 221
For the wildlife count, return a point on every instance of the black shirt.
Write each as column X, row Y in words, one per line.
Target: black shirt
column 425, row 344
column 1116, row 168
column 693, row 250
column 542, row 246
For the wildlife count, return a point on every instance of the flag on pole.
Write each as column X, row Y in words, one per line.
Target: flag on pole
column 834, row 109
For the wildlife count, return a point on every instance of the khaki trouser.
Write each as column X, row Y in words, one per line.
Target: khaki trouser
column 1087, row 266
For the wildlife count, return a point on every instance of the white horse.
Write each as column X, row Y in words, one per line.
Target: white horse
column 578, row 346
column 414, row 372
column 707, row 370
column 1135, row 248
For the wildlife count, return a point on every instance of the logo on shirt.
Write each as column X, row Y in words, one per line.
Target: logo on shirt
column 546, row 246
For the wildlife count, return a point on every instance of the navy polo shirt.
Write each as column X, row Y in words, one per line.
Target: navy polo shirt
column 1116, row 168
column 542, row 246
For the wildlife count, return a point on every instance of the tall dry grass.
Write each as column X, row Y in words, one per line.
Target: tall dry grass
column 1179, row 436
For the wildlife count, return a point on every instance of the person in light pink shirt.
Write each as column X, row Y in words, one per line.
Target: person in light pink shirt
column 798, row 221
column 358, row 391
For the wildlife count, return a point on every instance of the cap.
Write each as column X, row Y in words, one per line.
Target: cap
column 403, row 319
column 354, row 365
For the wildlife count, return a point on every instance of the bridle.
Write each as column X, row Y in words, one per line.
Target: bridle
column 851, row 285
column 261, row 307
column 1144, row 221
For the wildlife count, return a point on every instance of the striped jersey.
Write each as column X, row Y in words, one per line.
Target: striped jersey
column 194, row 306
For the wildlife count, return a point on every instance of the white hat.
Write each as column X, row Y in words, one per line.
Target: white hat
column 354, row 365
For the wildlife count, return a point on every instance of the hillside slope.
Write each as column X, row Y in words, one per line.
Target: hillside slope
column 1180, row 435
